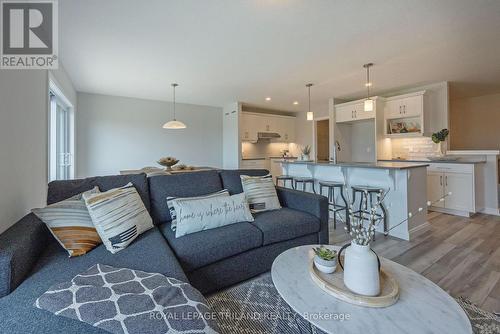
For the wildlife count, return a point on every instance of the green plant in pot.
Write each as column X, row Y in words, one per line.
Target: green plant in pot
column 325, row 259
column 439, row 138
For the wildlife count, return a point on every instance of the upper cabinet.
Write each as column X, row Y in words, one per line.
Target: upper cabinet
column 253, row 123
column 352, row 111
column 406, row 115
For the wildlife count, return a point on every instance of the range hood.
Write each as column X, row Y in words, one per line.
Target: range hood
column 268, row 135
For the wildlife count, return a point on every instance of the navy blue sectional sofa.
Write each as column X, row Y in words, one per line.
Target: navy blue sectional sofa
column 31, row 260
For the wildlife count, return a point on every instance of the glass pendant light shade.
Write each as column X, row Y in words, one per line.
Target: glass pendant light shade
column 368, row 105
column 174, row 124
column 309, row 115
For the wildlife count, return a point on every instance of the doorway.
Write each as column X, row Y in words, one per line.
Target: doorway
column 323, row 140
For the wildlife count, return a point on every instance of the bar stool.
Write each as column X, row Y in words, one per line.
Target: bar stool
column 284, row 179
column 332, row 205
column 304, row 181
column 367, row 194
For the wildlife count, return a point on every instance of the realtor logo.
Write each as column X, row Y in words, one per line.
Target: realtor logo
column 28, row 34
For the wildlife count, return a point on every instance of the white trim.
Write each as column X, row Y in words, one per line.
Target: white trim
column 490, row 211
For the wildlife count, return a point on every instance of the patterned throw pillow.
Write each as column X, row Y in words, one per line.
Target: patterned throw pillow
column 70, row 223
column 171, row 208
column 119, row 216
column 260, row 192
column 207, row 213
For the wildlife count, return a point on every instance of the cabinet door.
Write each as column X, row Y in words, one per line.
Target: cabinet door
column 287, row 130
column 413, row 106
column 344, row 113
column 269, row 124
column 393, row 109
column 460, row 186
column 435, row 188
column 249, row 127
column 275, row 169
column 360, row 113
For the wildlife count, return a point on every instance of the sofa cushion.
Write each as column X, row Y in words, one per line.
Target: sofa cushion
column 285, row 224
column 199, row 249
column 149, row 252
column 179, row 185
column 63, row 189
column 231, row 178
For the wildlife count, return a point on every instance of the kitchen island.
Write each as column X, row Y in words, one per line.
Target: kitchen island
column 404, row 183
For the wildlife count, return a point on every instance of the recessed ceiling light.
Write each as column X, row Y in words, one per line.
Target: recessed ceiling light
column 295, row 102
column 268, row 98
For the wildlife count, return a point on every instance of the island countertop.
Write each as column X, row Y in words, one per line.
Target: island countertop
column 379, row 164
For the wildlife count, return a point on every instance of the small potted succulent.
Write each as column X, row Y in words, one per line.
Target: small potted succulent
column 168, row 162
column 325, row 259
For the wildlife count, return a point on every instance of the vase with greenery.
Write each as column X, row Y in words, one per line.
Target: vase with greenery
column 440, row 139
column 325, row 259
column 306, row 151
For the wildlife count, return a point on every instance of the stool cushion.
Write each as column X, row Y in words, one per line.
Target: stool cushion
column 331, row 184
column 303, row 179
column 367, row 188
column 285, row 224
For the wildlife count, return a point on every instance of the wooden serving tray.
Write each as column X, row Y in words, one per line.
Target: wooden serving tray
column 333, row 284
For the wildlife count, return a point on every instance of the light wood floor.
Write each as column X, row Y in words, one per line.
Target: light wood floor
column 461, row 255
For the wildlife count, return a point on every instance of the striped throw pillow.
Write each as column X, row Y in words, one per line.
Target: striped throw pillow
column 171, row 208
column 260, row 192
column 70, row 223
column 119, row 216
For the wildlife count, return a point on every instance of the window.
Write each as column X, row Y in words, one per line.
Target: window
column 61, row 138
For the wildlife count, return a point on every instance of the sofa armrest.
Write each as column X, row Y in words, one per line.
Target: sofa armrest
column 313, row 204
column 20, row 248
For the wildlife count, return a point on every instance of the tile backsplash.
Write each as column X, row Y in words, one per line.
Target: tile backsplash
column 414, row 148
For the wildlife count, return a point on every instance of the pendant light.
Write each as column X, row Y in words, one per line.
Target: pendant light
column 174, row 124
column 309, row 115
column 368, row 105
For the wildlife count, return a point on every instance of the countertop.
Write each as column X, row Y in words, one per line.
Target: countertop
column 379, row 164
column 459, row 161
column 264, row 158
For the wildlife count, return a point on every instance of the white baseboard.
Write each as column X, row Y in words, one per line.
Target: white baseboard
column 451, row 212
column 490, row 211
column 418, row 228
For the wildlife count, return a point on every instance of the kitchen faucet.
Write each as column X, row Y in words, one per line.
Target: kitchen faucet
column 336, row 147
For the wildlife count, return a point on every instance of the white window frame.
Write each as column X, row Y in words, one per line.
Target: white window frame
column 52, row 132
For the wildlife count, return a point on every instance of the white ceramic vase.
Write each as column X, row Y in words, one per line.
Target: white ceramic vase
column 361, row 271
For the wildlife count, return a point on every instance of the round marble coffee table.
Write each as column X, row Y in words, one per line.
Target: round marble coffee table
column 423, row 307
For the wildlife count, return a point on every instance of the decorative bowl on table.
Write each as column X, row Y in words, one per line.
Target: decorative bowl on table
column 168, row 162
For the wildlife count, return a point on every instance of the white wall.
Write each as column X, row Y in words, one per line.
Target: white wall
column 23, row 143
column 117, row 133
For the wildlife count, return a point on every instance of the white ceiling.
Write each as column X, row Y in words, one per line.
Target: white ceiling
column 221, row 51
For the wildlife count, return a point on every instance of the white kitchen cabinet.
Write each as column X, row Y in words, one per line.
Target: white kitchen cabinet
column 459, row 186
column 456, row 184
column 409, row 105
column 254, row 164
column 352, row 111
column 249, row 124
column 253, row 123
column 435, row 190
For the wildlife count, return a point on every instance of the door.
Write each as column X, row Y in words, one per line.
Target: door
column 435, row 189
column 249, row 126
column 413, row 106
column 460, row 186
column 322, row 140
column 393, row 109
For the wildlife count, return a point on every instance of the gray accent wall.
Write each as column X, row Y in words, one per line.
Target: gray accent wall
column 118, row 133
